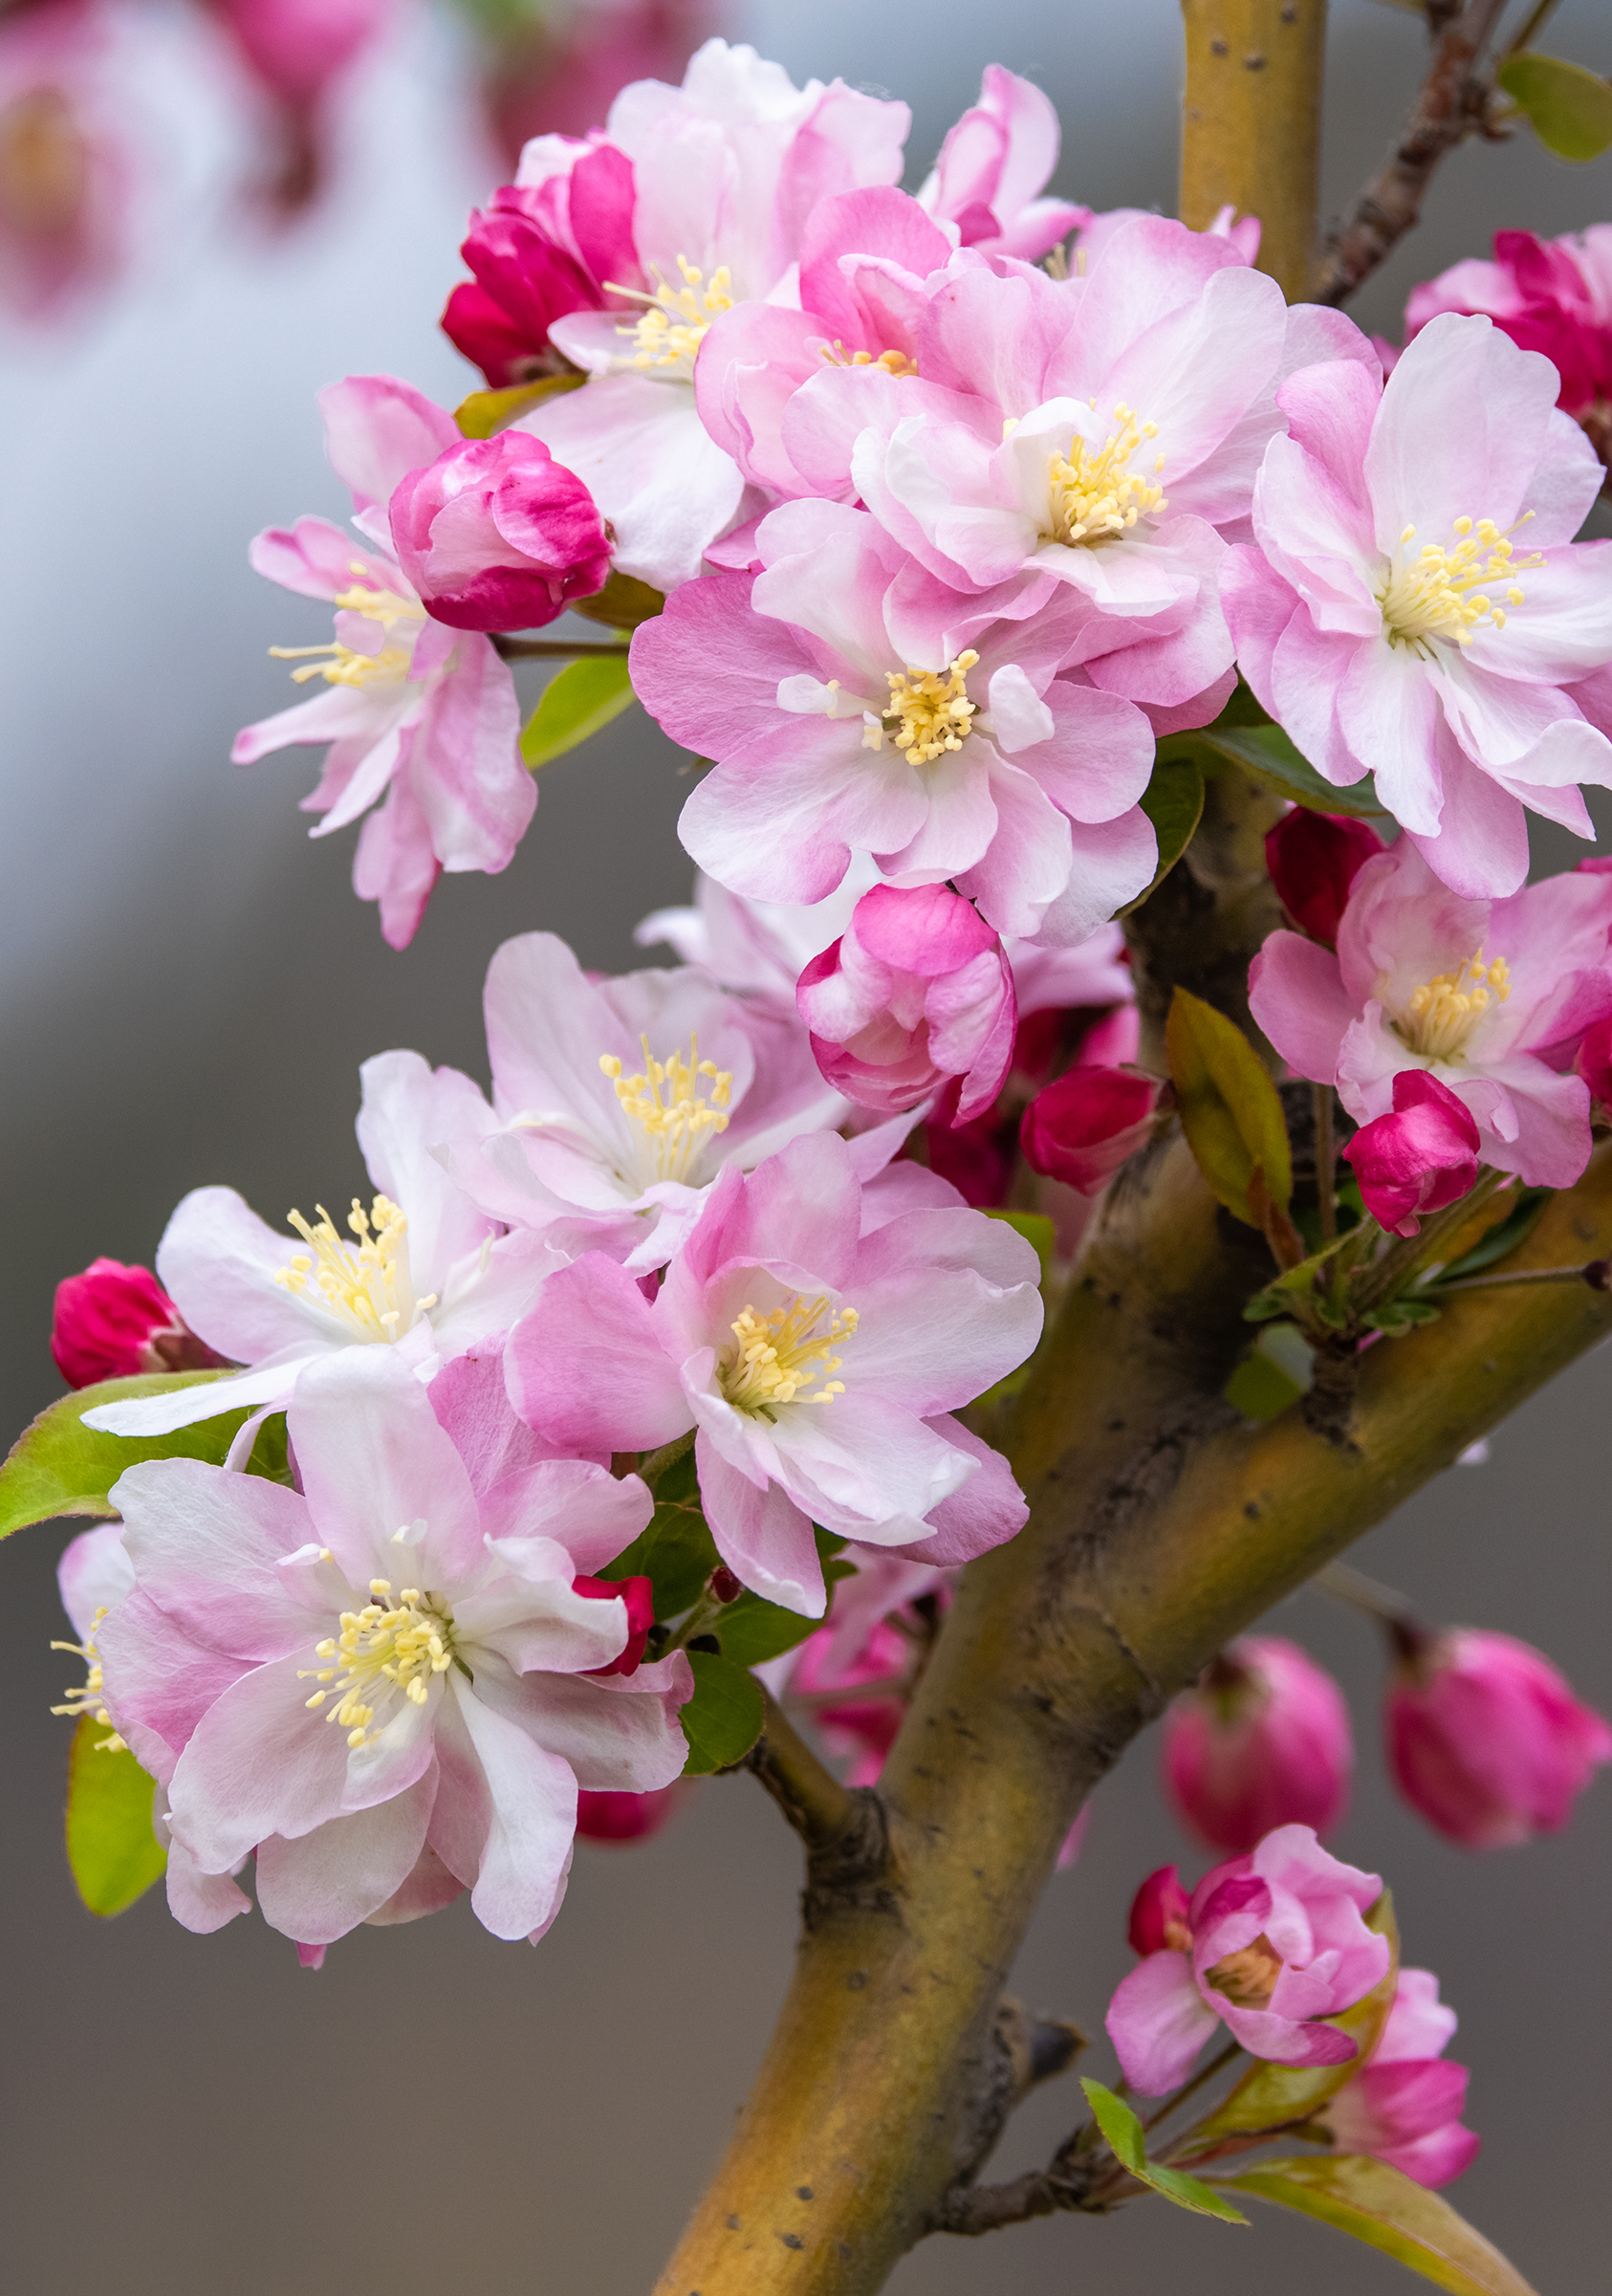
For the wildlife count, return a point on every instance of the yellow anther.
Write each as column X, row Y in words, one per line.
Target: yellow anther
column 676, row 321
column 86, row 1697
column 929, row 713
column 1440, row 594
column 366, row 1285
column 668, row 1103
column 775, row 1356
column 1093, row 495
column 893, row 362
column 385, row 1647
column 345, row 665
column 1443, row 1012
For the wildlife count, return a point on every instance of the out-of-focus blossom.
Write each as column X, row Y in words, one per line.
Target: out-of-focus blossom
column 1274, row 1943
column 1420, row 1158
column 758, row 948
column 296, row 50
column 457, row 1702
column 418, row 716
column 818, row 1334
column 1490, row 998
column 1404, row 2104
column 1088, row 1121
column 495, row 534
column 1416, row 603
column 994, row 166
column 114, row 1321
column 917, row 990
column 1485, row 1737
column 618, row 1817
column 1313, row 859
column 867, row 1648
column 64, row 172
column 1263, row 1740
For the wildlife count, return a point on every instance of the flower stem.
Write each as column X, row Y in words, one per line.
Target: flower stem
column 1595, row 1273
column 652, row 1466
column 555, row 650
column 1216, row 2065
column 1325, row 1163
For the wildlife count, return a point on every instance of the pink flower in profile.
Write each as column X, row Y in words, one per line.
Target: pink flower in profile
column 457, row 1702
column 1263, row 1740
column 495, row 534
column 1490, row 998
column 114, row 1321
column 1419, row 1159
column 818, row 1335
column 994, row 166
column 917, row 990
column 1404, row 2104
column 1312, row 860
column 1416, row 603
column 419, row 716
column 1088, row 1121
column 1486, row 1738
column 1276, row 1945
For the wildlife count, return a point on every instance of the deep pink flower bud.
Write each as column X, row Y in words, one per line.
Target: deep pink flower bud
column 1486, row 1739
column 114, row 1321
column 1406, row 2105
column 639, row 1595
column 1593, row 1062
column 726, row 1588
column 1084, row 1126
column 1157, row 1922
column 918, row 990
column 1263, row 1740
column 1313, row 859
column 1421, row 1158
column 497, row 535
column 618, row 1817
column 540, row 252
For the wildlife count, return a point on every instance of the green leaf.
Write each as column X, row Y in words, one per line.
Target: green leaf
column 1129, row 2145
column 1265, row 752
column 752, row 1630
column 1173, row 802
column 1396, row 1317
column 1275, row 1371
column 1379, row 2205
column 621, row 604
column 114, row 1854
column 486, row 412
column 1228, row 1108
column 60, row 1467
column 676, row 1552
column 1038, row 1231
column 1504, row 1236
column 1570, row 109
column 574, row 705
column 723, row 1719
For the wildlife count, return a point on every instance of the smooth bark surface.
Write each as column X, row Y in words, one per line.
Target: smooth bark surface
column 1251, row 123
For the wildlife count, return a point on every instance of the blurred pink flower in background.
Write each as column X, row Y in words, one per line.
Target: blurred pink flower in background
column 1263, row 1740
column 65, row 163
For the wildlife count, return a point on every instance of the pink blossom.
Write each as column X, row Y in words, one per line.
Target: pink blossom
column 1312, row 860
column 466, row 1718
column 618, row 1817
column 1421, row 1158
column 1263, row 1740
column 1158, row 1921
column 994, row 166
column 916, row 991
column 758, row 948
column 1492, row 998
column 1278, row 1945
column 297, row 48
column 1088, row 1121
column 794, row 1275
column 1593, row 1062
column 861, row 1648
column 1404, row 2106
column 420, row 716
column 836, row 730
column 1486, row 1738
column 114, row 1321
column 65, row 163
column 425, row 1275
column 1416, row 603
column 495, row 534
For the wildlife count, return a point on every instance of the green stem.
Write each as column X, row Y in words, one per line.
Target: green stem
column 651, row 1468
column 1535, row 22
column 1485, row 1283
column 1198, row 2080
column 1401, row 1261
column 1347, row 1584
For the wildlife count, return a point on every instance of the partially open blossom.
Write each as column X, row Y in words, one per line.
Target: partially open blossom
column 995, row 166
column 1086, row 1123
column 1313, row 859
column 818, row 1334
column 916, row 991
column 1158, row 1921
column 1404, row 2104
column 113, row 1321
column 495, row 534
column 541, row 249
column 1485, row 1737
column 1420, row 1158
column 1274, row 1943
column 1263, row 1740
column 1490, row 998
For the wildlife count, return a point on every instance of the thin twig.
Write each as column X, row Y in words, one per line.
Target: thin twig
column 820, row 1809
column 1595, row 1273
column 554, row 649
column 1535, row 22
column 1325, row 1163
column 1216, row 2063
column 1347, row 1584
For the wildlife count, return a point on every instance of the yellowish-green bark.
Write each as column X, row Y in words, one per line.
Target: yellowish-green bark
column 1251, row 123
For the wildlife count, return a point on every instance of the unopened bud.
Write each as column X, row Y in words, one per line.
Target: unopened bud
column 114, row 1321
column 723, row 1586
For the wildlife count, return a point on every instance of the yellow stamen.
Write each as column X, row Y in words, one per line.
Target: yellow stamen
column 1093, row 495
column 87, row 1697
column 1444, row 1012
column 346, row 664
column 893, row 362
column 929, row 712
column 1438, row 593
column 368, row 1285
column 775, row 1356
column 386, row 1648
column 675, row 323
column 665, row 1099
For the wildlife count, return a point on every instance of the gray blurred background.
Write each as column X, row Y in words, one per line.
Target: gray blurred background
column 186, row 989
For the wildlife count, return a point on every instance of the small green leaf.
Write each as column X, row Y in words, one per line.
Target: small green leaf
column 1038, row 1231
column 1397, row 1316
column 573, row 706
column 723, row 1719
column 1381, row 2205
column 1506, row 1235
column 1173, row 802
column 676, row 1553
column 1570, row 109
column 1265, row 752
column 486, row 412
column 621, row 604
column 1275, row 1371
column 752, row 1630
column 114, row 1854
column 60, row 1467
column 1228, row 1108
column 1129, row 2146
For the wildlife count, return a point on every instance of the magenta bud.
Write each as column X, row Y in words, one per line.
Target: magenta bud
column 1421, row 1158
column 496, row 535
column 723, row 1586
column 114, row 1321
column 1263, row 1740
column 1159, row 1915
column 618, row 1817
column 1313, row 859
column 1592, row 1061
column 639, row 1595
column 1082, row 1126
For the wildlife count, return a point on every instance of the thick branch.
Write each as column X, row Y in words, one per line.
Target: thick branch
column 1251, row 123
column 1452, row 105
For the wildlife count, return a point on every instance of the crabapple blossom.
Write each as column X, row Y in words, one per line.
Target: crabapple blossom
column 1490, row 998
column 1313, row 859
column 1271, row 1944
column 1263, row 1740
column 836, row 732
column 418, row 716
column 1404, row 2104
column 1419, row 1159
column 67, row 165
column 1158, row 1920
column 427, row 1276
column 1386, row 619
column 994, row 166
column 758, row 948
column 436, row 1619
column 1088, row 1121
column 794, row 1275
column 1593, row 1062
column 114, row 1321
column 495, row 534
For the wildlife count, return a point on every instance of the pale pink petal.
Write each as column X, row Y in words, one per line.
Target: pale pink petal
column 318, row 1887
column 1159, row 2021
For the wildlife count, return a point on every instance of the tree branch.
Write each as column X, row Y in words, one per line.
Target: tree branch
column 820, row 1809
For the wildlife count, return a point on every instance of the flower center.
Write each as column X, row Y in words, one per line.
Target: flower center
column 1248, row 1979
column 87, row 1697
column 674, row 324
column 347, row 665
column 667, row 1104
column 775, row 1356
column 929, row 710
column 893, row 362
column 1444, row 1012
column 1440, row 594
column 387, row 1649
column 365, row 1285
column 1093, row 495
